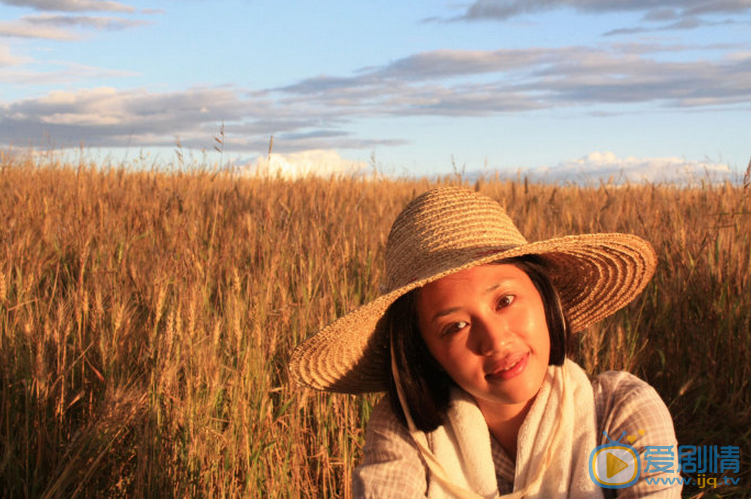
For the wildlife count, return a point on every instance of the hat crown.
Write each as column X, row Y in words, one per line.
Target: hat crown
column 444, row 229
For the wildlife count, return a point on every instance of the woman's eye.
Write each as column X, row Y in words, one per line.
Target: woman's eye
column 506, row 300
column 454, row 328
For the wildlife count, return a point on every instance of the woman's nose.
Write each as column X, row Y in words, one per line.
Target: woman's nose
column 489, row 336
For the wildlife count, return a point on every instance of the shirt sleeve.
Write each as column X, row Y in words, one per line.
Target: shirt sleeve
column 630, row 405
column 392, row 466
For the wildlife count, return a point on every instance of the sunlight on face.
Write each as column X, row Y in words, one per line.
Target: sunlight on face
column 486, row 327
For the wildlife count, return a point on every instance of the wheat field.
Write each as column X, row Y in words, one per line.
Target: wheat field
column 146, row 321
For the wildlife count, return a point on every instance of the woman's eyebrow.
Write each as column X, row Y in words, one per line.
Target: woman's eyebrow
column 487, row 290
column 498, row 284
column 443, row 313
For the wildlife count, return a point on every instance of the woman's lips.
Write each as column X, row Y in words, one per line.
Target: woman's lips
column 508, row 368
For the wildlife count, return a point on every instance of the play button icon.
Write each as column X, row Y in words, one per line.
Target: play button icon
column 614, row 465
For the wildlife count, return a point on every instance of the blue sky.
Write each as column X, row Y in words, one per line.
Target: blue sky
column 418, row 87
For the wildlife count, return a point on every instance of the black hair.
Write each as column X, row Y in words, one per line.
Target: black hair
column 425, row 385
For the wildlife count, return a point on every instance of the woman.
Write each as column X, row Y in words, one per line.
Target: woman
column 469, row 340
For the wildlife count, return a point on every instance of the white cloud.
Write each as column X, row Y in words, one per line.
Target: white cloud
column 8, row 59
column 607, row 167
column 108, row 117
column 317, row 162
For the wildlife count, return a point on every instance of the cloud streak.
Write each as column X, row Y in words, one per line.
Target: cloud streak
column 95, row 22
column 315, row 113
column 445, row 82
column 63, row 27
column 105, row 117
column 656, row 15
column 685, row 24
column 599, row 167
column 71, row 5
column 17, row 72
column 26, row 29
column 501, row 10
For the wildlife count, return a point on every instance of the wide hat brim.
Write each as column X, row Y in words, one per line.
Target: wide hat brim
column 594, row 274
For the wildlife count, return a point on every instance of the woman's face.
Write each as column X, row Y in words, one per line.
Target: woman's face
column 486, row 327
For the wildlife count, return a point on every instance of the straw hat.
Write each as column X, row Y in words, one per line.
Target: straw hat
column 450, row 229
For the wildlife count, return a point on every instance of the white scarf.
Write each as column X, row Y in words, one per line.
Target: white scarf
column 554, row 444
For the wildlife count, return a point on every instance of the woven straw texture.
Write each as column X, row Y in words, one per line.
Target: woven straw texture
column 450, row 229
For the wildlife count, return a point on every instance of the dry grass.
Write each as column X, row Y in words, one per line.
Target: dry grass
column 146, row 320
